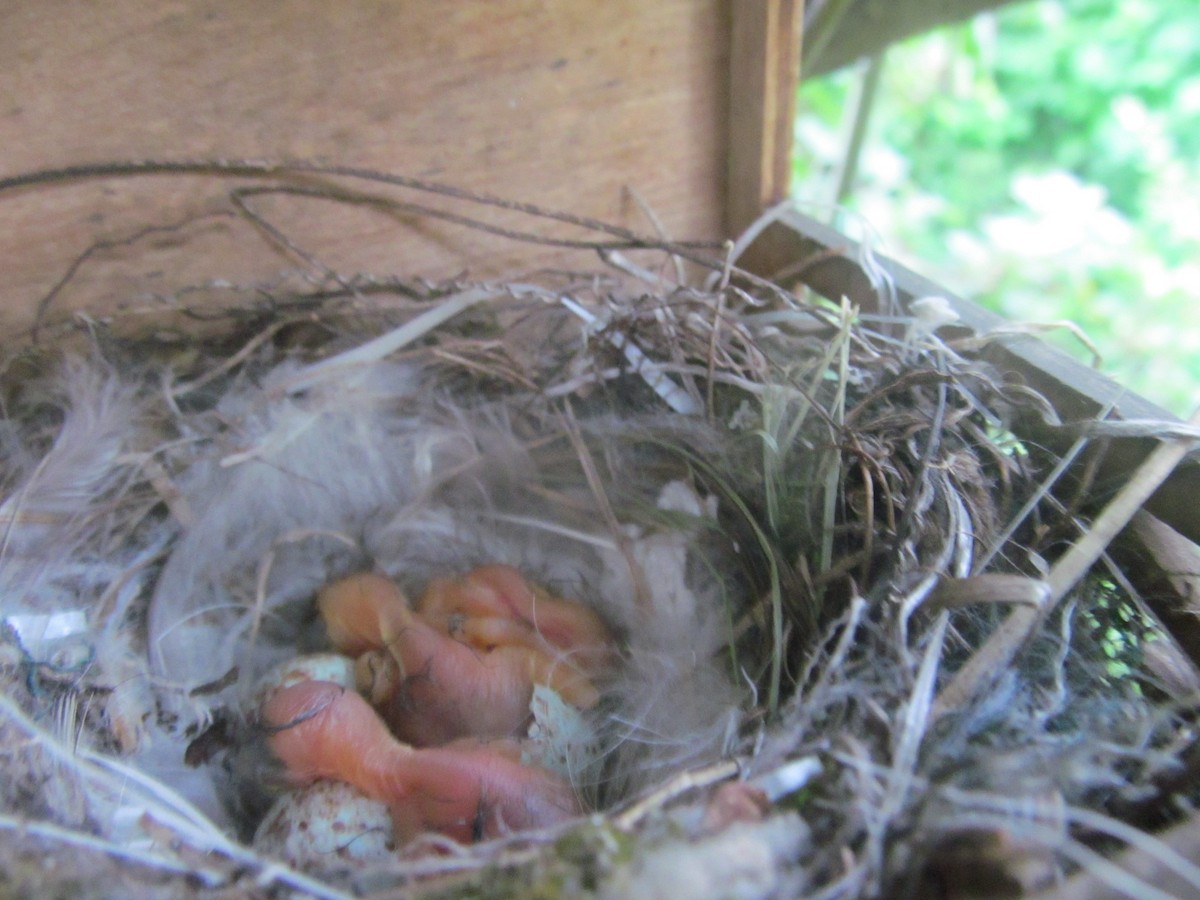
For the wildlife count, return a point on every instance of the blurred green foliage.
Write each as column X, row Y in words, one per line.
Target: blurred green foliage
column 1044, row 160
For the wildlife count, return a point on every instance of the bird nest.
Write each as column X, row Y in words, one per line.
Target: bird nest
column 855, row 645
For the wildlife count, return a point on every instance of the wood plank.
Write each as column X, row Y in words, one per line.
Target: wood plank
column 764, row 70
column 562, row 104
column 827, row 261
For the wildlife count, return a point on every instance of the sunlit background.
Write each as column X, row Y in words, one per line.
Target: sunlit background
column 1043, row 160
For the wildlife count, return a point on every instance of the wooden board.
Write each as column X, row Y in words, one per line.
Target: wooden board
column 564, row 104
column 764, row 73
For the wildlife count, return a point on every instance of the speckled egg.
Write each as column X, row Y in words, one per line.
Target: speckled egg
column 560, row 738
column 326, row 826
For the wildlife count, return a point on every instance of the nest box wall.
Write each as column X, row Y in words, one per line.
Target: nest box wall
column 567, row 105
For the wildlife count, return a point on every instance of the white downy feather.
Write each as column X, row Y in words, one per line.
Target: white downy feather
column 289, row 489
column 66, row 551
column 292, row 483
column 678, row 706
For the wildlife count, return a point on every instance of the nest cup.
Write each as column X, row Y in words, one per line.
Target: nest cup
column 798, row 521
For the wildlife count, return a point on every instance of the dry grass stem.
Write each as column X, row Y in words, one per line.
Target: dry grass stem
column 995, row 655
column 828, row 562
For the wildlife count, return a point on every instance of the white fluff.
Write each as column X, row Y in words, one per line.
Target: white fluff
column 98, row 413
column 374, row 472
column 71, row 543
column 287, row 489
column 285, row 482
column 49, row 518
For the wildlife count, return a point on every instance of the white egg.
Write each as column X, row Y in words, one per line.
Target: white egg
column 326, row 826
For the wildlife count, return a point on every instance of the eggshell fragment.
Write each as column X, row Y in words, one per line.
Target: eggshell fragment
column 560, row 739
column 325, row 826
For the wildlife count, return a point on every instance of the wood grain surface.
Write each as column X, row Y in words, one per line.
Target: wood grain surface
column 564, row 104
column 765, row 68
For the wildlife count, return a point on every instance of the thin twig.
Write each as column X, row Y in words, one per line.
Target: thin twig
column 387, row 344
column 232, row 361
column 991, row 659
column 676, row 787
